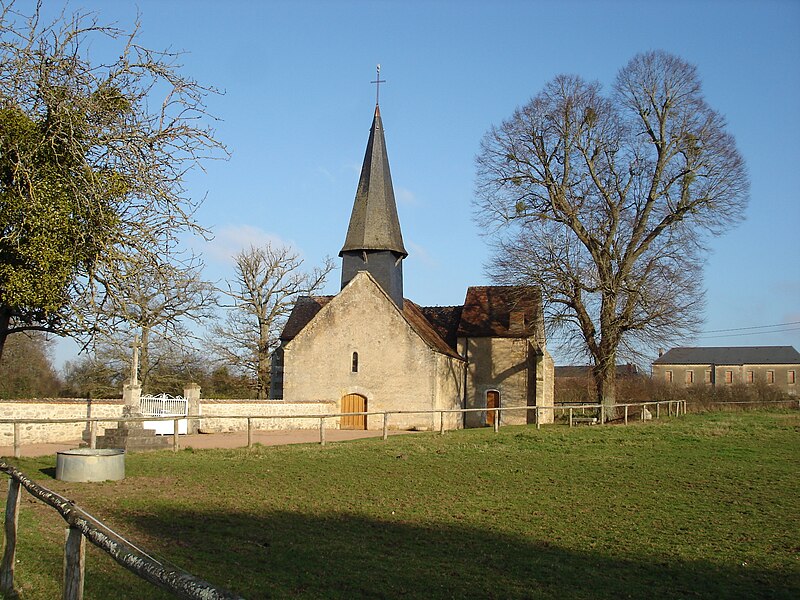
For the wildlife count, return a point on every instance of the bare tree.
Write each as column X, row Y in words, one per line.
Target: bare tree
column 93, row 154
column 154, row 301
column 268, row 281
column 606, row 204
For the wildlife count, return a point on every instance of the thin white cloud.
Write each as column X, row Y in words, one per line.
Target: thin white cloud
column 405, row 196
column 421, row 254
column 230, row 239
column 352, row 167
column 326, row 174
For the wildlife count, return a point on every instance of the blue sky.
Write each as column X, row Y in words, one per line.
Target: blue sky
column 298, row 105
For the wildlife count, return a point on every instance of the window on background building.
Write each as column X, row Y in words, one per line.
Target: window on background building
column 708, row 376
column 668, row 376
column 770, row 376
column 689, row 377
column 355, row 362
column 750, row 377
column 790, row 377
column 728, row 376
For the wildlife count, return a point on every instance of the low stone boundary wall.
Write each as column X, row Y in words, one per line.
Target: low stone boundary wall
column 54, row 408
column 222, row 412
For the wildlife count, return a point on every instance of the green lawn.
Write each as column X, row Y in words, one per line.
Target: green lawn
column 704, row 506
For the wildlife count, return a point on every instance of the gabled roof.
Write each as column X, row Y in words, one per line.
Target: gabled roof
column 487, row 313
column 444, row 320
column 419, row 322
column 730, row 355
column 501, row 311
column 374, row 224
column 307, row 307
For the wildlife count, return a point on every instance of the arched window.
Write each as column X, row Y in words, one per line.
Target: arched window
column 355, row 362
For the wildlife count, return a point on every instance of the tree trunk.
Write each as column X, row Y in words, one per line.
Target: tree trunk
column 606, row 386
column 5, row 319
column 263, row 374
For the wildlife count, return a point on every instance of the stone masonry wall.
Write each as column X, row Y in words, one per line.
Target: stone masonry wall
column 54, row 408
column 396, row 369
column 222, row 412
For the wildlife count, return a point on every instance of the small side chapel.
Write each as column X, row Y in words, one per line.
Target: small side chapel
column 370, row 349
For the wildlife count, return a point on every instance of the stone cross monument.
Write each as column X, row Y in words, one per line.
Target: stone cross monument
column 132, row 391
column 132, row 436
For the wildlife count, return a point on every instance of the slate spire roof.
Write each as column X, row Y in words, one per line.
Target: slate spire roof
column 373, row 223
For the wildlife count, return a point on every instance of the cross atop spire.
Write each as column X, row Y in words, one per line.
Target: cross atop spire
column 378, row 81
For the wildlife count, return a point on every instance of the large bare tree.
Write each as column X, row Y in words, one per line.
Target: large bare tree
column 605, row 202
column 268, row 281
column 96, row 135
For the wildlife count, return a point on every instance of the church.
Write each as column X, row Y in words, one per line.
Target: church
column 370, row 349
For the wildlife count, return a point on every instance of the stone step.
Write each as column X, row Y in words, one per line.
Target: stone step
column 133, row 439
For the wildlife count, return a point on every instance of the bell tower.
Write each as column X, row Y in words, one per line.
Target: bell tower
column 374, row 242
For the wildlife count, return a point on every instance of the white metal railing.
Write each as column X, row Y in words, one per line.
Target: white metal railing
column 164, row 405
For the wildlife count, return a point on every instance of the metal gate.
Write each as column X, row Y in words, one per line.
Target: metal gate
column 165, row 405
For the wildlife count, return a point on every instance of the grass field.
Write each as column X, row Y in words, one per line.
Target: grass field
column 704, row 506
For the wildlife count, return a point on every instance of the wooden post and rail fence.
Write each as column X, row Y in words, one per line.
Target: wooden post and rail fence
column 673, row 407
column 81, row 527
column 573, row 414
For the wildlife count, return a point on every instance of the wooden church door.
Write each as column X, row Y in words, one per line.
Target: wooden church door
column 354, row 403
column 492, row 401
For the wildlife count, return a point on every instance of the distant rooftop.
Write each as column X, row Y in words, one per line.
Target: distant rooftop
column 730, row 355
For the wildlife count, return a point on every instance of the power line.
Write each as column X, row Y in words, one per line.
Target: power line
column 750, row 333
column 753, row 327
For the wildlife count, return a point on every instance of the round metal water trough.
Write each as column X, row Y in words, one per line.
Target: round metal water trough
column 87, row 464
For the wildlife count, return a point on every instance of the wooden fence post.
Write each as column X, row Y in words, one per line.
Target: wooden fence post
column 385, row 425
column 249, row 433
column 626, row 414
column 322, row 431
column 658, row 410
column 10, row 552
column 92, row 434
column 175, row 435
column 441, row 422
column 538, row 418
column 17, row 451
column 602, row 415
column 74, row 552
column 570, row 416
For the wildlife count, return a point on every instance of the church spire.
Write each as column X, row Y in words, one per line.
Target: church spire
column 374, row 242
column 374, row 224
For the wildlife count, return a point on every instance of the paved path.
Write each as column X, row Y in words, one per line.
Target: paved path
column 220, row 440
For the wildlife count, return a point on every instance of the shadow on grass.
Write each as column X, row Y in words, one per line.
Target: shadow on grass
column 288, row 555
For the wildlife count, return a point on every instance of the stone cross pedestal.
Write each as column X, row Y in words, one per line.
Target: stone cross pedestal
column 132, row 436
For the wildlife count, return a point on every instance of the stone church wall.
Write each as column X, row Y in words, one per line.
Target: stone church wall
column 511, row 367
column 396, row 369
